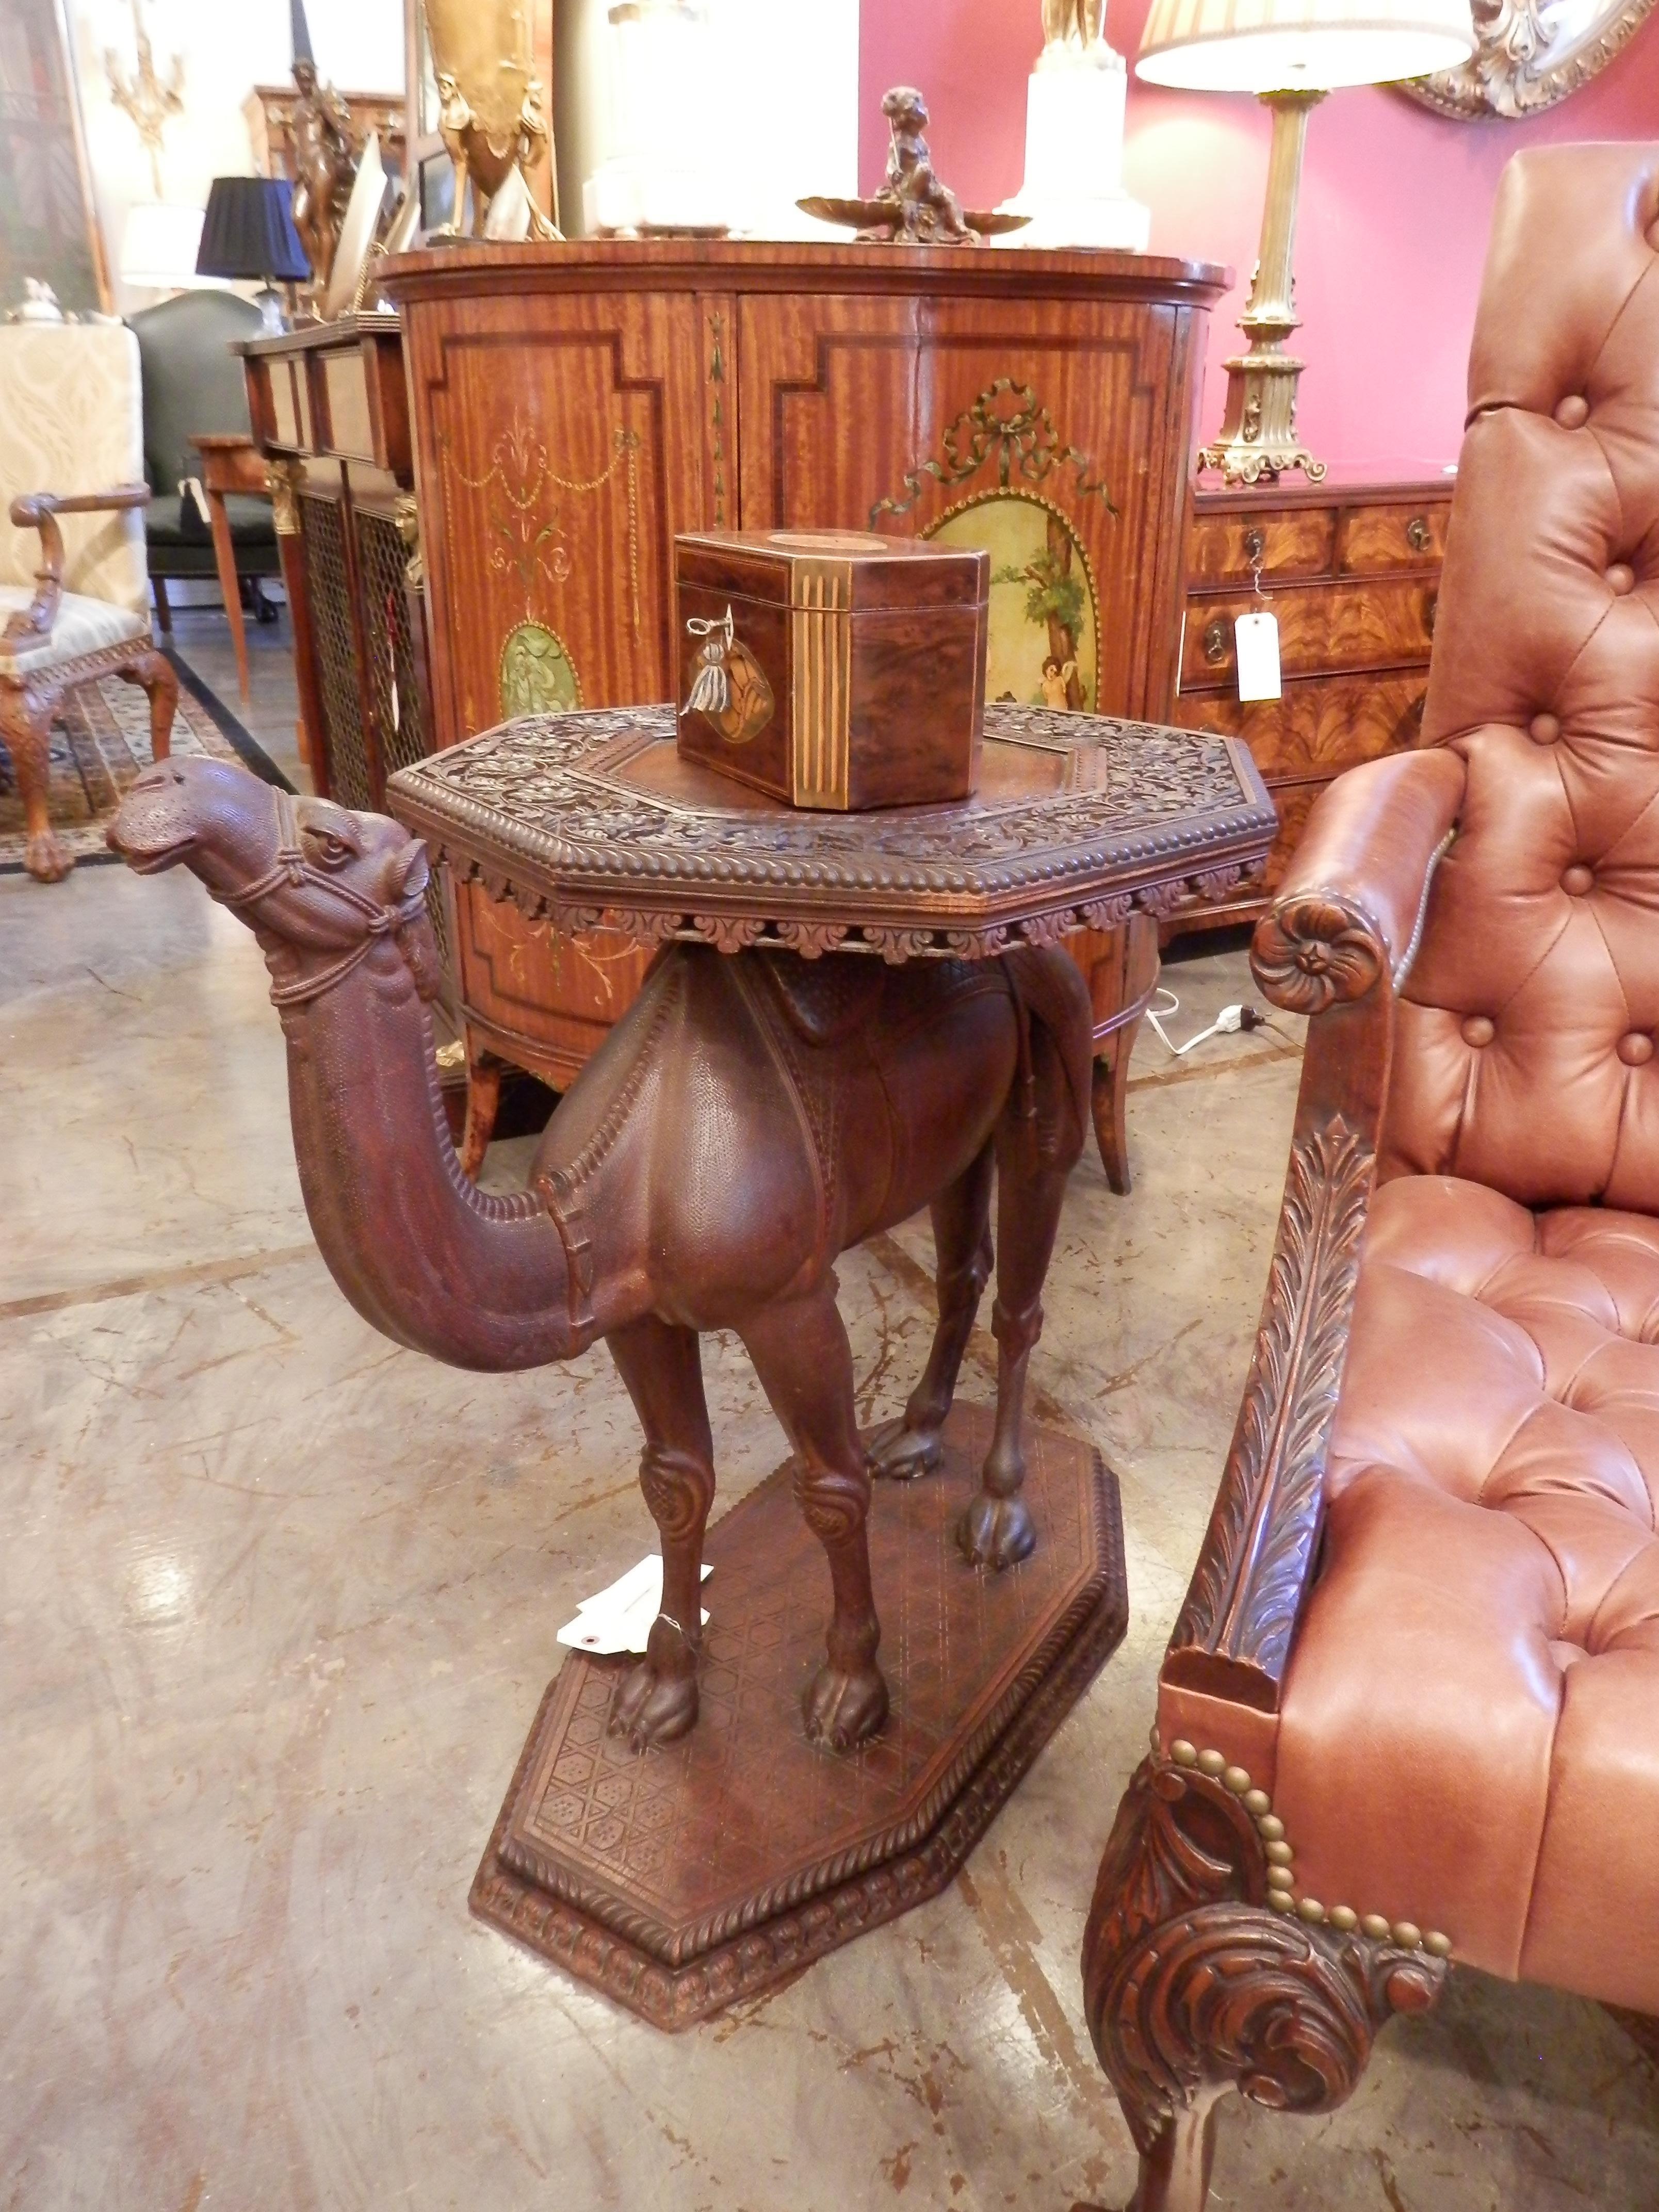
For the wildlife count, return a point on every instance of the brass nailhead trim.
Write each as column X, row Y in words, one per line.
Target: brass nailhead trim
column 1282, row 1880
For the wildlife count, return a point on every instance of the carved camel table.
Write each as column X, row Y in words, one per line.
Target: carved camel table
column 749, row 1118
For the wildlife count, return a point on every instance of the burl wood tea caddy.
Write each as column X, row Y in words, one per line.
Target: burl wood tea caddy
column 832, row 669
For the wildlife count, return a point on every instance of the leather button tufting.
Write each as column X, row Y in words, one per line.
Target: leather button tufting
column 1544, row 729
column 1621, row 578
column 1479, row 1029
column 1572, row 412
column 1636, row 1050
column 1576, row 879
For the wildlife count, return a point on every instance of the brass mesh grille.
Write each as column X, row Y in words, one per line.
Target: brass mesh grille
column 381, row 554
column 328, row 592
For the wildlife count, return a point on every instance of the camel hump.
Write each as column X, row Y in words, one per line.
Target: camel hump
column 1053, row 999
column 824, row 1001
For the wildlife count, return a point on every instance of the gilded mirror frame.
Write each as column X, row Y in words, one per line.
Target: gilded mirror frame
column 1522, row 64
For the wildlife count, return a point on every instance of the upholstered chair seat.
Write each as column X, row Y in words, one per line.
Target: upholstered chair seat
column 1491, row 1771
column 1409, row 1714
column 80, row 625
column 74, row 598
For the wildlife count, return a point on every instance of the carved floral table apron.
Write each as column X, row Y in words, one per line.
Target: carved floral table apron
column 704, row 1869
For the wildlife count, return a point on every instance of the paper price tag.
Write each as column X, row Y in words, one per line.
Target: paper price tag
column 619, row 1618
column 1255, row 642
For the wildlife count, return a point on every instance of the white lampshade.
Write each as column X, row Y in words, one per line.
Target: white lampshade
column 159, row 246
column 1284, row 46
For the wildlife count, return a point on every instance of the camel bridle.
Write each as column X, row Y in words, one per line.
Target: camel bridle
column 289, row 869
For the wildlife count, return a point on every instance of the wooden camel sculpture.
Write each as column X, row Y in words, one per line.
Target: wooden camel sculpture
column 751, row 1117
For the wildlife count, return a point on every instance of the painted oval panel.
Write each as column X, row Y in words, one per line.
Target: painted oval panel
column 538, row 676
column 1044, row 647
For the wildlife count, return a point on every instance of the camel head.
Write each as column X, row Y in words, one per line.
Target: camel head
column 318, row 886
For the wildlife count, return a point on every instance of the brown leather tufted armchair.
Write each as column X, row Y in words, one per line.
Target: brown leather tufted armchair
column 1410, row 1712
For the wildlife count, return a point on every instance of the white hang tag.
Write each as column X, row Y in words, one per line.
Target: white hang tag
column 619, row 1618
column 1256, row 643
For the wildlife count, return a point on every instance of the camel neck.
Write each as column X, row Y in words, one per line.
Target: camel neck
column 422, row 1254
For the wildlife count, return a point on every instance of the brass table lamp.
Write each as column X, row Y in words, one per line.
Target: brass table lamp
column 1289, row 53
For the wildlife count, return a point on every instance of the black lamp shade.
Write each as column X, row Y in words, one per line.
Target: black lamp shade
column 248, row 231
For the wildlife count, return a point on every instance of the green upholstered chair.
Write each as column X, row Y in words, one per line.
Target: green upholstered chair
column 193, row 383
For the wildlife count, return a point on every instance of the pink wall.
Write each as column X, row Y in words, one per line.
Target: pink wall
column 1396, row 203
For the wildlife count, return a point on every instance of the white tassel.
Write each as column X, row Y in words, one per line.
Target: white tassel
column 711, row 693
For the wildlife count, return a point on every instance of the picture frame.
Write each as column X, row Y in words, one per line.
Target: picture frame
column 49, row 226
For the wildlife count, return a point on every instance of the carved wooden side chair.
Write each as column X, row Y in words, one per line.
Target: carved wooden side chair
column 1410, row 1712
column 74, row 597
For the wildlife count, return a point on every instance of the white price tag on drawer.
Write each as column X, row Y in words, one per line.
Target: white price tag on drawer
column 1255, row 642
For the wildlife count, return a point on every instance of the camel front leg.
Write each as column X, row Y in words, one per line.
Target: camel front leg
column 996, row 1529
column 805, row 1363
column 662, row 1366
column 911, row 1445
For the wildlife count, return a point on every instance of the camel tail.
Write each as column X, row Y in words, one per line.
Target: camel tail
column 1057, row 1026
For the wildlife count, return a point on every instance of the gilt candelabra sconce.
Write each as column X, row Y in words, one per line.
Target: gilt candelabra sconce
column 151, row 100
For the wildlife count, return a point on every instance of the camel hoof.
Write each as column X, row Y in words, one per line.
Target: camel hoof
column 47, row 860
column 653, row 1708
column 842, row 1710
column 898, row 1453
column 996, row 1532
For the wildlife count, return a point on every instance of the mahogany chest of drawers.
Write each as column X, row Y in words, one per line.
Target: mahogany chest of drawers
column 1352, row 572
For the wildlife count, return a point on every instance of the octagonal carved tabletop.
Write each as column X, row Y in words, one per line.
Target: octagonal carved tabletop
column 593, row 817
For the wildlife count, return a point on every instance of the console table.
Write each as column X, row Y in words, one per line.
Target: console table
column 330, row 413
column 572, row 406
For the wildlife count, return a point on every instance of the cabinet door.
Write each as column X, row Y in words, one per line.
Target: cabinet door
column 563, row 440
column 1052, row 432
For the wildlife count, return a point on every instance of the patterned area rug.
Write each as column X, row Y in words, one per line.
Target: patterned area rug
column 99, row 742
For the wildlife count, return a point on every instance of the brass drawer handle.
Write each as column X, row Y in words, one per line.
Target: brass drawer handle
column 1215, row 641
column 1417, row 534
column 1256, row 544
column 1430, row 606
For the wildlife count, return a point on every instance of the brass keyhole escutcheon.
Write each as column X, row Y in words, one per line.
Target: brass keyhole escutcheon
column 1215, row 641
column 1417, row 534
column 1256, row 544
column 1430, row 605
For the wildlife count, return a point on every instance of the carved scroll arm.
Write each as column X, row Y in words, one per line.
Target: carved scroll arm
column 1336, row 946
column 39, row 510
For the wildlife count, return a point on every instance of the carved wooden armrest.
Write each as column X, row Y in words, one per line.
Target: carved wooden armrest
column 39, row 510
column 1351, row 904
column 1336, row 944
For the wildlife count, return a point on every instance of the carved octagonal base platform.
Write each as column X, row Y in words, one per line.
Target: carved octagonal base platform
column 683, row 1878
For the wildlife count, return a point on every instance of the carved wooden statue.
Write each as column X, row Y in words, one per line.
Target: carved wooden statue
column 749, row 1117
column 326, row 153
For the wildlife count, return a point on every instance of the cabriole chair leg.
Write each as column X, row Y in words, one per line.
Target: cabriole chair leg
column 1194, row 1984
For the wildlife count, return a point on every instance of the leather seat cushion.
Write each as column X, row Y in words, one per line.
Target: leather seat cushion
column 1470, row 1733
column 171, row 520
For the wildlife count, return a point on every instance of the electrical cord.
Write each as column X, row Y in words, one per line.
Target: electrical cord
column 1226, row 1023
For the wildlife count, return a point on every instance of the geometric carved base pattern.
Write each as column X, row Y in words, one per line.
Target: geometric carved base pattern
column 684, row 1878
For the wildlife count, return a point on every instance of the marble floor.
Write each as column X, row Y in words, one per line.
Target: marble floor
column 277, row 1601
